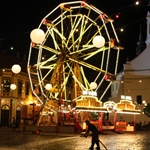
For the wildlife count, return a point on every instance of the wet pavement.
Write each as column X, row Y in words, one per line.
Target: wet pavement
column 18, row 140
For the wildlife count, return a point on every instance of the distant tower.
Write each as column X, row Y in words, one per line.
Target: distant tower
column 140, row 44
column 148, row 29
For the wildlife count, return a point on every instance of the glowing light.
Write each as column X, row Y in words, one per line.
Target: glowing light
column 143, row 101
column 121, row 29
column 11, row 48
column 91, row 93
column 13, row 86
column 126, row 97
column 37, row 36
column 77, row 30
column 16, row 68
column 93, row 85
column 48, row 86
column 98, row 41
column 137, row 3
column 117, row 16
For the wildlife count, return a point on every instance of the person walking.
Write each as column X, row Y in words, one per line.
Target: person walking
column 95, row 135
column 14, row 123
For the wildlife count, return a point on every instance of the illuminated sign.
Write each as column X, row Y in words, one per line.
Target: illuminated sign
column 126, row 97
column 91, row 93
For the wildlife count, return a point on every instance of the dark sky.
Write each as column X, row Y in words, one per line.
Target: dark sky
column 19, row 18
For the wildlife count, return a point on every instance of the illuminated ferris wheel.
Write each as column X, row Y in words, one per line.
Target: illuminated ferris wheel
column 74, row 49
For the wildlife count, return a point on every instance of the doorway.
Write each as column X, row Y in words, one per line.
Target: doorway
column 5, row 115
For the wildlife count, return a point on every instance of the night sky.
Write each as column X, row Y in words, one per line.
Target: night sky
column 19, row 18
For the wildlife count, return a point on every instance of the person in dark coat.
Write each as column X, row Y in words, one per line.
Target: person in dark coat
column 14, row 123
column 95, row 135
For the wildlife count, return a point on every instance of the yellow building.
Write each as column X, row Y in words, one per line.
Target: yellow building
column 11, row 101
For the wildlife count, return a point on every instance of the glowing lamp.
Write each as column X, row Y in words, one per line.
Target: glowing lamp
column 13, row 86
column 37, row 36
column 16, row 68
column 48, row 86
column 107, row 77
column 93, row 85
column 98, row 41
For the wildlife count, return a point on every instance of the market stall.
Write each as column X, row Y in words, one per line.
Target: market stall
column 125, row 106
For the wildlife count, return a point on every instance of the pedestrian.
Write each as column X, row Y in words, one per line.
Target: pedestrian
column 95, row 135
column 14, row 123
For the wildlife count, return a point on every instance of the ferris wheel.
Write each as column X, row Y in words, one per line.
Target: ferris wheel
column 74, row 49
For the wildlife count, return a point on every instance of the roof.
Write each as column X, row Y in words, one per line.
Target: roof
column 142, row 61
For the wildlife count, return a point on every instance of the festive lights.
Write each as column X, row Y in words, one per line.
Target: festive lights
column 37, row 36
column 16, row 68
column 98, row 41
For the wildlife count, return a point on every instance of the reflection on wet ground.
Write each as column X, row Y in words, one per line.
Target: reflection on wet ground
column 15, row 140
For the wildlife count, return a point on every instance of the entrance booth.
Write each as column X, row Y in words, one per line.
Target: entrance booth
column 109, row 122
column 125, row 106
column 90, row 108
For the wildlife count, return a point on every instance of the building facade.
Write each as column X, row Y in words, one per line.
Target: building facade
column 11, row 101
column 134, row 80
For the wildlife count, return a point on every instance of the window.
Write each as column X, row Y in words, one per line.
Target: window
column 6, row 85
column 27, row 88
column 19, row 87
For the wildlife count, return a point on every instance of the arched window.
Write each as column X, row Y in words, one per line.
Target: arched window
column 18, row 108
column 5, row 107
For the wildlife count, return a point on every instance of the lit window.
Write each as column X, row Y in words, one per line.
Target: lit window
column 6, row 85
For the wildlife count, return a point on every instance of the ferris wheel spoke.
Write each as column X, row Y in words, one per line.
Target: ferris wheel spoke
column 94, row 53
column 80, row 36
column 87, row 65
column 74, row 27
column 87, row 47
column 54, row 40
column 43, row 63
column 75, row 78
column 50, row 49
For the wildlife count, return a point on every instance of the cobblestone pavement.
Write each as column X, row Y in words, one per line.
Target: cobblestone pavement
column 16, row 140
